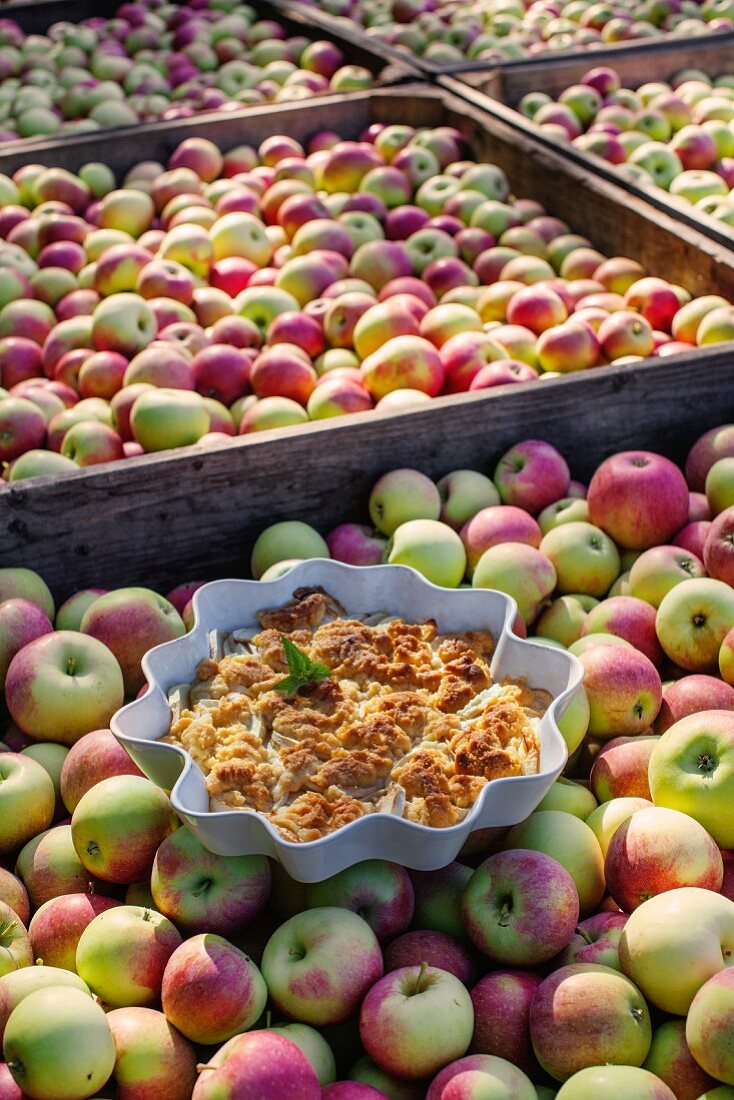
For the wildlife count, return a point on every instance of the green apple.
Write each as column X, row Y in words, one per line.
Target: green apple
column 566, row 510
column 58, row 1045
column 63, row 685
column 464, row 493
column 19, row 984
column 673, row 943
column 123, row 952
column 570, row 797
column 708, row 1027
column 519, row 570
column 19, row 583
column 692, row 770
column 563, row 619
column 285, row 540
column 314, row 1046
column 15, row 947
column 51, row 757
column 27, row 800
column 574, row 722
column 71, row 612
column 572, row 843
column 400, row 496
column 615, row 1083
column 586, row 560
column 692, row 621
column 165, row 418
column 431, row 547
column 720, row 485
column 606, row 818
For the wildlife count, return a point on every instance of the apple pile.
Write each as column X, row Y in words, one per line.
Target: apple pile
column 584, row 952
column 677, row 135
column 267, row 287
column 158, row 60
column 450, row 31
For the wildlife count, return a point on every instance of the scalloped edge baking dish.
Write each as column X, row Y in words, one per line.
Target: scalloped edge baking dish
column 228, row 604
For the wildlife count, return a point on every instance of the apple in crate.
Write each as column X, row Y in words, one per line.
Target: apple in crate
column 627, row 481
column 63, row 685
column 150, row 1054
column 416, row 1020
column 330, row 950
column 520, row 908
column 27, row 800
column 58, row 1043
column 122, row 955
column 261, row 1063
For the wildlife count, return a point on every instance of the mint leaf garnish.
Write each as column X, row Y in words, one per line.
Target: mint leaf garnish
column 301, row 669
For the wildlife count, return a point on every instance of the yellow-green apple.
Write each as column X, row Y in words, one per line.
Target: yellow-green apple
column 58, row 923
column 287, row 539
column 596, row 940
column 15, row 946
column 501, row 1002
column 403, row 362
column 21, row 622
column 204, row 892
column 574, row 722
column 620, row 769
column 261, row 1063
column 123, row 952
column 400, row 496
column 639, row 498
column 623, row 688
column 610, row 815
column 336, row 395
column 568, row 347
column 448, row 320
column 709, row 448
column 271, row 412
column 571, row 842
column 691, row 694
column 590, row 641
column 481, row 1075
column 416, row 1020
column 211, row 990
column 321, row 982
column 150, row 1055
column 27, row 800
column 671, row 1059
column 660, row 849
column 519, row 570
column 659, row 569
column 692, row 621
column 25, row 584
column 463, row 494
column 58, row 1044
column 531, row 475
column 189, row 245
column 130, row 621
column 718, row 550
column 563, row 619
column 164, row 418
column 431, row 547
column 50, row 867
column 123, row 323
column 629, row 618
column 584, row 557
column 62, row 685
column 379, row 891
column 615, row 1083
column 718, row 487
column 127, row 209
column 569, row 796
column 22, row 427
column 520, row 907
column 356, row 544
column 18, row 984
column 118, row 825
column 565, row 510
column 94, row 757
column 436, row 949
column 495, row 525
column 675, row 942
column 601, row 1002
column 317, row 1050
column 14, row 894
column 438, row 899
column 161, row 364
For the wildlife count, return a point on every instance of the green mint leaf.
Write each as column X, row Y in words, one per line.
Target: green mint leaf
column 302, row 670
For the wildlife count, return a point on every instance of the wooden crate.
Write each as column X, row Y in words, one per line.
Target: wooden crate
column 338, row 27
column 500, row 90
column 195, row 512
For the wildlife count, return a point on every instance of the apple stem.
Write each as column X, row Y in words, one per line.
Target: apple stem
column 421, row 975
column 584, row 935
column 201, row 1066
column 70, row 666
column 268, row 1017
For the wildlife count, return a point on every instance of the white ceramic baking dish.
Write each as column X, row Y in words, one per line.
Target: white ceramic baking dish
column 229, row 604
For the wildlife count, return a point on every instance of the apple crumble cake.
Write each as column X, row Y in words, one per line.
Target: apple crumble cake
column 317, row 718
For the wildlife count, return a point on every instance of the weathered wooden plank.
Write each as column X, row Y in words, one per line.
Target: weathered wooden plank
column 195, row 513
